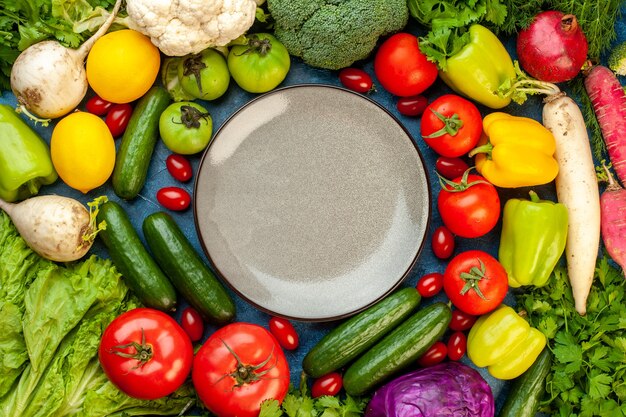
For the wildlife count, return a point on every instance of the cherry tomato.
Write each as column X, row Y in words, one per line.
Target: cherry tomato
column 329, row 384
column 457, row 345
column 98, row 106
column 356, row 80
column 442, row 242
column 117, row 118
column 434, row 355
column 173, row 198
column 412, row 106
column 450, row 167
column 461, row 320
column 192, row 324
column 179, row 167
column 284, row 332
column 430, row 284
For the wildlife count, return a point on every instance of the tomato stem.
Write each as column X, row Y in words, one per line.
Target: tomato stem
column 246, row 374
column 143, row 351
column 190, row 117
column 256, row 45
column 456, row 187
column 192, row 66
column 451, row 125
column 472, row 278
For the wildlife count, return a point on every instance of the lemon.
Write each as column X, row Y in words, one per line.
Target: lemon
column 83, row 151
column 122, row 65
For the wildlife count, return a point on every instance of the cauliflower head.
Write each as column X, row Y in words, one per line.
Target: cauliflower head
column 181, row 27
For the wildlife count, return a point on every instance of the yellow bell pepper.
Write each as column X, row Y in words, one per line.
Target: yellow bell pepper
column 515, row 151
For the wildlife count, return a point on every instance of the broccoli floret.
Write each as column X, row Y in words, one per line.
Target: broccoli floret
column 333, row 34
column 617, row 59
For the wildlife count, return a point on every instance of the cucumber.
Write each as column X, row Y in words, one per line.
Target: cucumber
column 135, row 151
column 133, row 261
column 189, row 274
column 355, row 335
column 527, row 389
column 400, row 348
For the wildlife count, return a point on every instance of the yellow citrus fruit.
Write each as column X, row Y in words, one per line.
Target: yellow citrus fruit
column 83, row 151
column 122, row 66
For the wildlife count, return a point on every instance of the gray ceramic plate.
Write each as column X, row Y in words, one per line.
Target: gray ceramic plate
column 312, row 202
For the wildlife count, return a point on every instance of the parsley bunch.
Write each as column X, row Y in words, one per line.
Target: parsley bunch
column 588, row 376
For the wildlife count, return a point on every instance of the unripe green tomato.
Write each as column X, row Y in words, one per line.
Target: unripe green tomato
column 205, row 75
column 185, row 127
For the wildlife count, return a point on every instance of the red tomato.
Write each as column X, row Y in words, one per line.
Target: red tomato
column 451, row 125
column 98, row 106
column 430, row 284
column 475, row 282
column 329, row 384
column 118, row 117
column 412, row 106
column 284, row 332
column 457, row 345
column 461, row 321
column 173, row 198
column 401, row 68
column 434, row 355
column 192, row 324
column 145, row 353
column 179, row 167
column 469, row 206
column 237, row 368
column 450, row 168
column 356, row 80
column 442, row 242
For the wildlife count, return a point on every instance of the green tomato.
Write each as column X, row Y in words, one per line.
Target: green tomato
column 260, row 65
column 185, row 127
column 205, row 75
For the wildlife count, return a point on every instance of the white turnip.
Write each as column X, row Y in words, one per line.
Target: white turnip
column 58, row 228
column 613, row 220
column 49, row 80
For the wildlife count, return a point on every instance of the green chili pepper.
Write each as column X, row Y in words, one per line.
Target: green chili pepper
column 25, row 163
column 533, row 239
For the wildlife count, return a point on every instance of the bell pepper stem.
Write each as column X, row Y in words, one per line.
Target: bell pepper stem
column 533, row 196
column 486, row 148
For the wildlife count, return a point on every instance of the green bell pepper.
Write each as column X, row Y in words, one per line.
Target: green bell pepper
column 25, row 163
column 533, row 239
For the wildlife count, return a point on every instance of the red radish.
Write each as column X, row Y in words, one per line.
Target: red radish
column 553, row 48
column 613, row 220
column 609, row 104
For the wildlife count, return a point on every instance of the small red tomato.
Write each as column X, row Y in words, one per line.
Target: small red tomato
column 192, row 324
column 434, row 355
column 430, row 284
column 461, row 320
column 450, row 167
column 356, row 80
column 179, row 167
column 457, row 345
column 284, row 332
column 442, row 242
column 329, row 384
column 412, row 106
column 98, row 106
column 173, row 198
column 118, row 117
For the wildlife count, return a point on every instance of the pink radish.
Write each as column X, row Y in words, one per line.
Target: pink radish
column 609, row 104
column 613, row 204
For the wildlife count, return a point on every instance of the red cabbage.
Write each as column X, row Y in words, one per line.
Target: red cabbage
column 449, row 389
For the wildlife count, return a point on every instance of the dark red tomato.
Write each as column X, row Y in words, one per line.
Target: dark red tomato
column 329, row 384
column 401, row 68
column 179, row 167
column 430, row 284
column 118, row 117
column 457, row 345
column 173, row 198
column 442, row 242
column 98, row 106
column 450, row 167
column 356, row 80
column 192, row 323
column 434, row 355
column 451, row 125
column 412, row 106
column 145, row 353
column 284, row 332
column 461, row 320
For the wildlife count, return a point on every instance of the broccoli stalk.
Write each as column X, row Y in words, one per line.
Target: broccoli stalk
column 617, row 59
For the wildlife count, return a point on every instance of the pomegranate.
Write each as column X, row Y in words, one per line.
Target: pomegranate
column 553, row 48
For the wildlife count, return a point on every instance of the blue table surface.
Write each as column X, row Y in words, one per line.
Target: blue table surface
column 299, row 73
